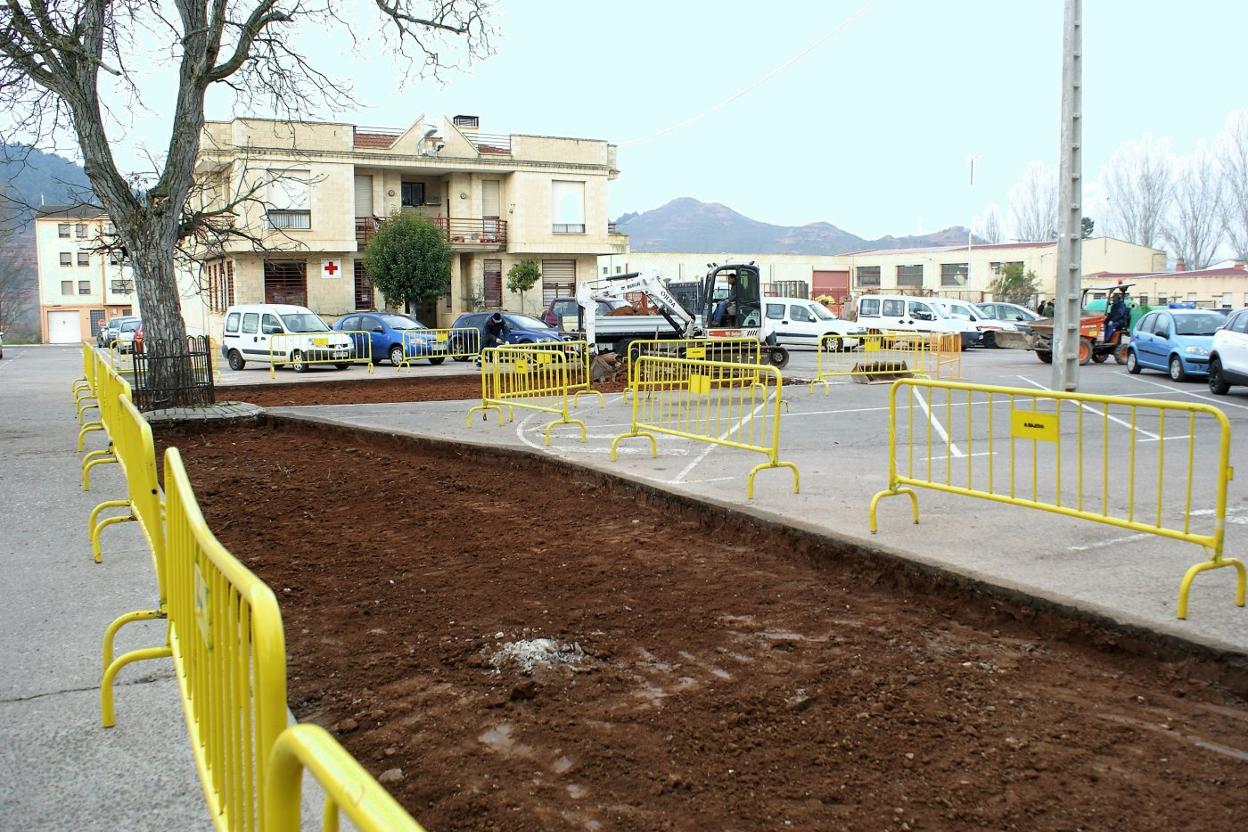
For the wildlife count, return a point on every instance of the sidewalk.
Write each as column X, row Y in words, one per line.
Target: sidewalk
column 60, row 769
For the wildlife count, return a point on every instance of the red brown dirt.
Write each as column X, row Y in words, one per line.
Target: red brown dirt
column 405, row 388
column 732, row 680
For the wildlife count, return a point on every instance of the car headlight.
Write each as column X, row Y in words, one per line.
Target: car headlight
column 1195, row 350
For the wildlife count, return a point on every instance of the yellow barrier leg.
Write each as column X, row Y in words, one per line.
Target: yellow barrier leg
column 96, row 554
column 563, row 421
column 576, row 399
column 762, row 466
column 875, row 501
column 87, row 465
column 485, row 413
column 107, row 713
column 654, row 444
column 87, row 428
column 1241, row 583
column 120, row 621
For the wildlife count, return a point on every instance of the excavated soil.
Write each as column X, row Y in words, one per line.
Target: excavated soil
column 402, row 388
column 710, row 672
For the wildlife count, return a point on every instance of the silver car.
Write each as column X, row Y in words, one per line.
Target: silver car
column 111, row 331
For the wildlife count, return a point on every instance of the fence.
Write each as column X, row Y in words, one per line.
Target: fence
column 1084, row 456
column 174, row 374
column 111, row 388
column 514, row 377
column 83, row 389
column 579, row 359
column 734, row 405
column 886, row 356
column 301, row 350
column 437, row 345
column 724, row 351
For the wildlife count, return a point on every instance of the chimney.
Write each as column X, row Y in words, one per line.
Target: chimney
column 1179, row 265
column 466, row 124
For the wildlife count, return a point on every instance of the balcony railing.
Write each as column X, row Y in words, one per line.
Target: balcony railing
column 491, row 143
column 466, row 232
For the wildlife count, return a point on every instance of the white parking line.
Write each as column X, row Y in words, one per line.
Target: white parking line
column 1220, row 402
column 940, row 429
column 1204, row 512
column 1154, row 437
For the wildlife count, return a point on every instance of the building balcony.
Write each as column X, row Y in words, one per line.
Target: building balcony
column 464, row 234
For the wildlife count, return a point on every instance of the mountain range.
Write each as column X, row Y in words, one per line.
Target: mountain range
column 687, row 224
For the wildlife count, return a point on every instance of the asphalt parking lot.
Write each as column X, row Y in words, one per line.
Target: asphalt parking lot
column 839, row 441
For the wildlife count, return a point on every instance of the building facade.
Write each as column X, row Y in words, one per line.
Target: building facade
column 81, row 282
column 310, row 196
column 1219, row 287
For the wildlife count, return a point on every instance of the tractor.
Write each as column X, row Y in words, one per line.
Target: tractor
column 1092, row 344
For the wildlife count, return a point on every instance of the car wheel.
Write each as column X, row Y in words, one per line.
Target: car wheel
column 1085, row 351
column 343, row 366
column 990, row 340
column 296, row 362
column 396, row 355
column 1045, row 355
column 835, row 344
column 1217, row 383
column 435, row 361
column 1176, row 369
column 463, row 357
column 778, row 356
column 1133, row 363
column 236, row 360
column 1120, row 354
column 1100, row 357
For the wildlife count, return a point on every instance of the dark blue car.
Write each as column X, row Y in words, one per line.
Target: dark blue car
column 394, row 336
column 517, row 329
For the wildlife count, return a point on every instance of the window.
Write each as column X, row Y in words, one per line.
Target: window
column 120, row 287
column 97, row 320
column 775, row 311
column 114, row 259
column 270, row 324
column 954, row 274
column 354, row 323
column 1162, row 326
column 62, row 230
column 363, row 286
column 231, row 323
column 1241, row 323
column 84, row 258
column 1143, row 299
column 801, row 313
column 868, row 275
column 869, row 307
column 493, row 288
column 1161, row 300
column 910, row 276
column 80, row 230
column 606, row 270
column 67, row 258
column 289, row 200
column 892, row 308
column 567, row 207
column 558, row 279
column 84, row 287
column 413, row 194
column 921, row 311
column 1228, row 300
column 285, row 281
column 67, row 287
column 1148, row 323
column 251, row 322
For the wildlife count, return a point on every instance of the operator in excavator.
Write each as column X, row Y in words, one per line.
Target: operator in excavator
column 726, row 309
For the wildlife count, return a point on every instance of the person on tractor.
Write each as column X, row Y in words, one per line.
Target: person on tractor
column 1118, row 316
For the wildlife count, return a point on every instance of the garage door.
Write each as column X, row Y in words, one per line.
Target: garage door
column 64, row 328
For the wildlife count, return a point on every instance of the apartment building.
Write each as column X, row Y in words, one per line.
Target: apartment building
column 309, row 197
column 81, row 285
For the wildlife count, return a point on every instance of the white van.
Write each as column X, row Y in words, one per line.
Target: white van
column 803, row 322
column 912, row 314
column 281, row 334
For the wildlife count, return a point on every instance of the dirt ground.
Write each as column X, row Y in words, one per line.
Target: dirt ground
column 714, row 676
column 400, row 388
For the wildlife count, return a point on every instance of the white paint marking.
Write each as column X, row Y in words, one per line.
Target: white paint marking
column 1220, row 402
column 1201, row 512
column 940, row 429
column 1099, row 413
column 688, row 469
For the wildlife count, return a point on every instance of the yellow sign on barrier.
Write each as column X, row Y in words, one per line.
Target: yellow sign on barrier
column 435, row 346
column 886, row 356
column 510, row 379
column 340, row 348
column 1125, row 462
column 734, row 405
column 733, row 351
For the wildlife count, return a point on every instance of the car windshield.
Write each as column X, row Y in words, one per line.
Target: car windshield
column 1203, row 324
column 525, row 322
column 129, row 326
column 304, row 322
column 957, row 310
column 821, row 313
column 402, row 322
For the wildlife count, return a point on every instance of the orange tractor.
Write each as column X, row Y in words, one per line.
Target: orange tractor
column 1092, row 343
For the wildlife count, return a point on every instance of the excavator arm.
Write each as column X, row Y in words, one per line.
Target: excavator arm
column 648, row 283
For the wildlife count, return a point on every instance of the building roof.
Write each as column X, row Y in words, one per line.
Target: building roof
column 940, row 249
column 1223, row 271
column 77, row 211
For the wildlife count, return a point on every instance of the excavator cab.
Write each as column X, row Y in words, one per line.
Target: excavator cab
column 733, row 298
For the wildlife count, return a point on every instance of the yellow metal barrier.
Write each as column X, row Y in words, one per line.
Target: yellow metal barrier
column 735, row 405
column 112, row 388
column 579, row 359
column 887, row 355
column 229, row 654
column 84, row 388
column 948, row 356
column 1100, row 458
column 305, row 349
column 437, row 345
column 88, row 397
column 734, row 351
column 348, row 787
column 514, row 377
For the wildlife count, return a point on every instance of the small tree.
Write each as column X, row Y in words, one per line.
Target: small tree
column 1088, row 224
column 409, row 260
column 1013, row 286
column 522, row 277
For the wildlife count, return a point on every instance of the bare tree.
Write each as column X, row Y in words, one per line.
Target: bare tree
column 1033, row 204
column 17, row 289
column 1194, row 230
column 52, row 54
column 1232, row 151
column 1139, row 182
column 988, row 227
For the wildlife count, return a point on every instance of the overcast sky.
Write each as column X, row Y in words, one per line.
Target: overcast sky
column 870, row 130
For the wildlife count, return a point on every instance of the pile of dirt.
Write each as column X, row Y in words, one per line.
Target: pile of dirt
column 405, row 387
column 729, row 679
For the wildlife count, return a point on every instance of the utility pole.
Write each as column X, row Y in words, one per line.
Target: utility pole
column 1067, row 308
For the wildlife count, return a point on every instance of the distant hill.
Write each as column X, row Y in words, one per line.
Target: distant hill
column 32, row 178
column 687, row 224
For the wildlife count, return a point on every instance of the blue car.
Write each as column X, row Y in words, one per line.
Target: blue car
column 1176, row 340
column 517, row 329
column 394, row 336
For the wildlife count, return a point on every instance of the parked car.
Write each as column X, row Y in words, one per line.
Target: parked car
column 111, row 329
column 125, row 334
column 804, row 322
column 908, row 314
column 393, row 337
column 295, row 334
column 1012, row 312
column 1174, row 340
column 561, row 313
column 1228, row 354
column 517, row 329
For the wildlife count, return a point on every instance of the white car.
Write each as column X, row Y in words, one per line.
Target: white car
column 1012, row 312
column 891, row 313
column 802, row 322
column 1228, row 357
column 277, row 333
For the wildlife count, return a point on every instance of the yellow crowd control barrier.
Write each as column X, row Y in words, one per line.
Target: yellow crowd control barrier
column 229, row 651
column 348, row 787
column 88, row 398
column 579, row 359
column 437, row 345
column 112, row 389
column 887, row 356
column 1126, row 462
column 83, row 389
column 514, row 377
column 306, row 349
column 734, row 405
column 734, row 351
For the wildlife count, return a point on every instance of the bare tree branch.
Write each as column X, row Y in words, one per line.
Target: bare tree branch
column 1033, row 204
column 1232, row 151
column 1195, row 228
column 1139, row 181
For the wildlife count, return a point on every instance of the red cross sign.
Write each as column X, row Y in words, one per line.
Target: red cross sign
column 330, row 268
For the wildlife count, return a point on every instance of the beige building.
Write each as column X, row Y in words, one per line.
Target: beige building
column 781, row 273
column 81, row 285
column 311, row 195
column 1220, row 287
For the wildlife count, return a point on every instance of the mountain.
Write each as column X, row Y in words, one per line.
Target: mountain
column 31, row 178
column 687, row 224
